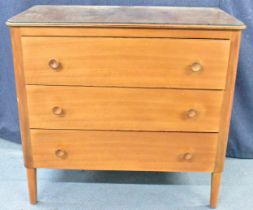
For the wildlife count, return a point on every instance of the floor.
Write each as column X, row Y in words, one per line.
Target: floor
column 98, row 190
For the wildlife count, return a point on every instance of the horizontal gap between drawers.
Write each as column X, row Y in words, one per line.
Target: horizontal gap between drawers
column 144, row 131
column 132, row 87
column 125, row 37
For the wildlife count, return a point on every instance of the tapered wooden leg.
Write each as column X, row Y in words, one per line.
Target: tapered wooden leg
column 215, row 188
column 32, row 184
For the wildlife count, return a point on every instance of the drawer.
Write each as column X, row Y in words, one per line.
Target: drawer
column 97, row 108
column 114, row 150
column 126, row 62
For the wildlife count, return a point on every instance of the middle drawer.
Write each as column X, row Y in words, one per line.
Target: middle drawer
column 94, row 108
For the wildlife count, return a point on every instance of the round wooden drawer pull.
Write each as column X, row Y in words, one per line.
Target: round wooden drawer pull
column 192, row 113
column 196, row 67
column 57, row 111
column 61, row 153
column 187, row 156
column 54, row 64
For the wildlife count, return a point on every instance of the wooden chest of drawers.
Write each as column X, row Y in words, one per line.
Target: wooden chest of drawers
column 125, row 88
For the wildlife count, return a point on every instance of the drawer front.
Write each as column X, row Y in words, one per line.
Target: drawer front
column 112, row 150
column 65, row 107
column 127, row 62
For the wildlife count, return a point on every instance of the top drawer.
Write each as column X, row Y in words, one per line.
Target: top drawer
column 126, row 62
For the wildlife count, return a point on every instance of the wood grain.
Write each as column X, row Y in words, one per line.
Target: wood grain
column 215, row 188
column 21, row 96
column 112, row 150
column 32, row 184
column 127, row 62
column 124, row 97
column 123, row 108
column 227, row 103
column 124, row 32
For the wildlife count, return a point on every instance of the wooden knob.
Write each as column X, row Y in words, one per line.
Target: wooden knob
column 196, row 67
column 187, row 156
column 60, row 153
column 192, row 113
column 54, row 64
column 57, row 110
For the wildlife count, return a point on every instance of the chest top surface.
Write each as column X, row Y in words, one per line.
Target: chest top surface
column 127, row 16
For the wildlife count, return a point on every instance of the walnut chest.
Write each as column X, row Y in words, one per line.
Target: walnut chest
column 125, row 88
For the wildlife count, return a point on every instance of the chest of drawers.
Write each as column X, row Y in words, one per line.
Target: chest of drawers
column 125, row 88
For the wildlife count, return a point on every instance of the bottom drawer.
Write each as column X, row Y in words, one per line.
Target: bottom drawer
column 120, row 150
